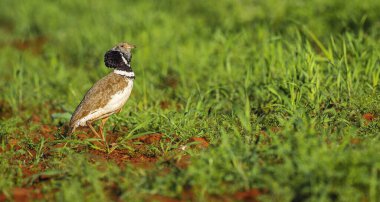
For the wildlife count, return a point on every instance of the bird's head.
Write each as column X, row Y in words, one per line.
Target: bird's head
column 120, row 56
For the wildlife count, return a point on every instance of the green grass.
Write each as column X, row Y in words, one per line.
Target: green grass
column 278, row 89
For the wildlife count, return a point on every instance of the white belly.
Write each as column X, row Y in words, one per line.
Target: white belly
column 116, row 102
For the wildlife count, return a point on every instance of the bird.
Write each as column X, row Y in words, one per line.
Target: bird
column 108, row 95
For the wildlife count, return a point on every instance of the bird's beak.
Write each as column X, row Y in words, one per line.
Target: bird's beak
column 131, row 46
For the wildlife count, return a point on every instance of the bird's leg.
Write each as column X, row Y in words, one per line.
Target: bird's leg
column 102, row 122
column 89, row 124
column 70, row 131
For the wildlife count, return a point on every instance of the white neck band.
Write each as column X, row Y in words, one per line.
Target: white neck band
column 124, row 73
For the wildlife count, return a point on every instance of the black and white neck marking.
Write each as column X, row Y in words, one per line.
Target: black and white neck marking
column 117, row 60
column 125, row 70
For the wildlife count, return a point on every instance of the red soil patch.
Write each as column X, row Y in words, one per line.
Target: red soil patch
column 35, row 45
column 27, row 171
column 187, row 195
column 35, row 119
column 121, row 157
column 59, row 145
column 201, row 143
column 250, row 195
column 48, row 132
column 112, row 138
column 275, row 129
column 150, row 139
column 45, row 131
column 34, row 169
column 368, row 116
column 13, row 142
column 355, row 141
column 183, row 162
column 141, row 158
column 83, row 136
column 19, row 194
column 143, row 161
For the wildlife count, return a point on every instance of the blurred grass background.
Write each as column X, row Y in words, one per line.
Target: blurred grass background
column 278, row 88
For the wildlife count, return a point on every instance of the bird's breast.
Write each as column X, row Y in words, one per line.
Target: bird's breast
column 119, row 98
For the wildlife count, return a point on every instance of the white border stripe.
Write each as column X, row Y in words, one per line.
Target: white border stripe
column 124, row 73
column 124, row 60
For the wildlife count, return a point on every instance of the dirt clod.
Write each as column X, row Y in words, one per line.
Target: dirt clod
column 368, row 116
column 250, row 195
column 35, row 45
column 20, row 194
column 150, row 139
column 201, row 142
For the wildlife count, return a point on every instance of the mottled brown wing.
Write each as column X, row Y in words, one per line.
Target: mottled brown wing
column 99, row 95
